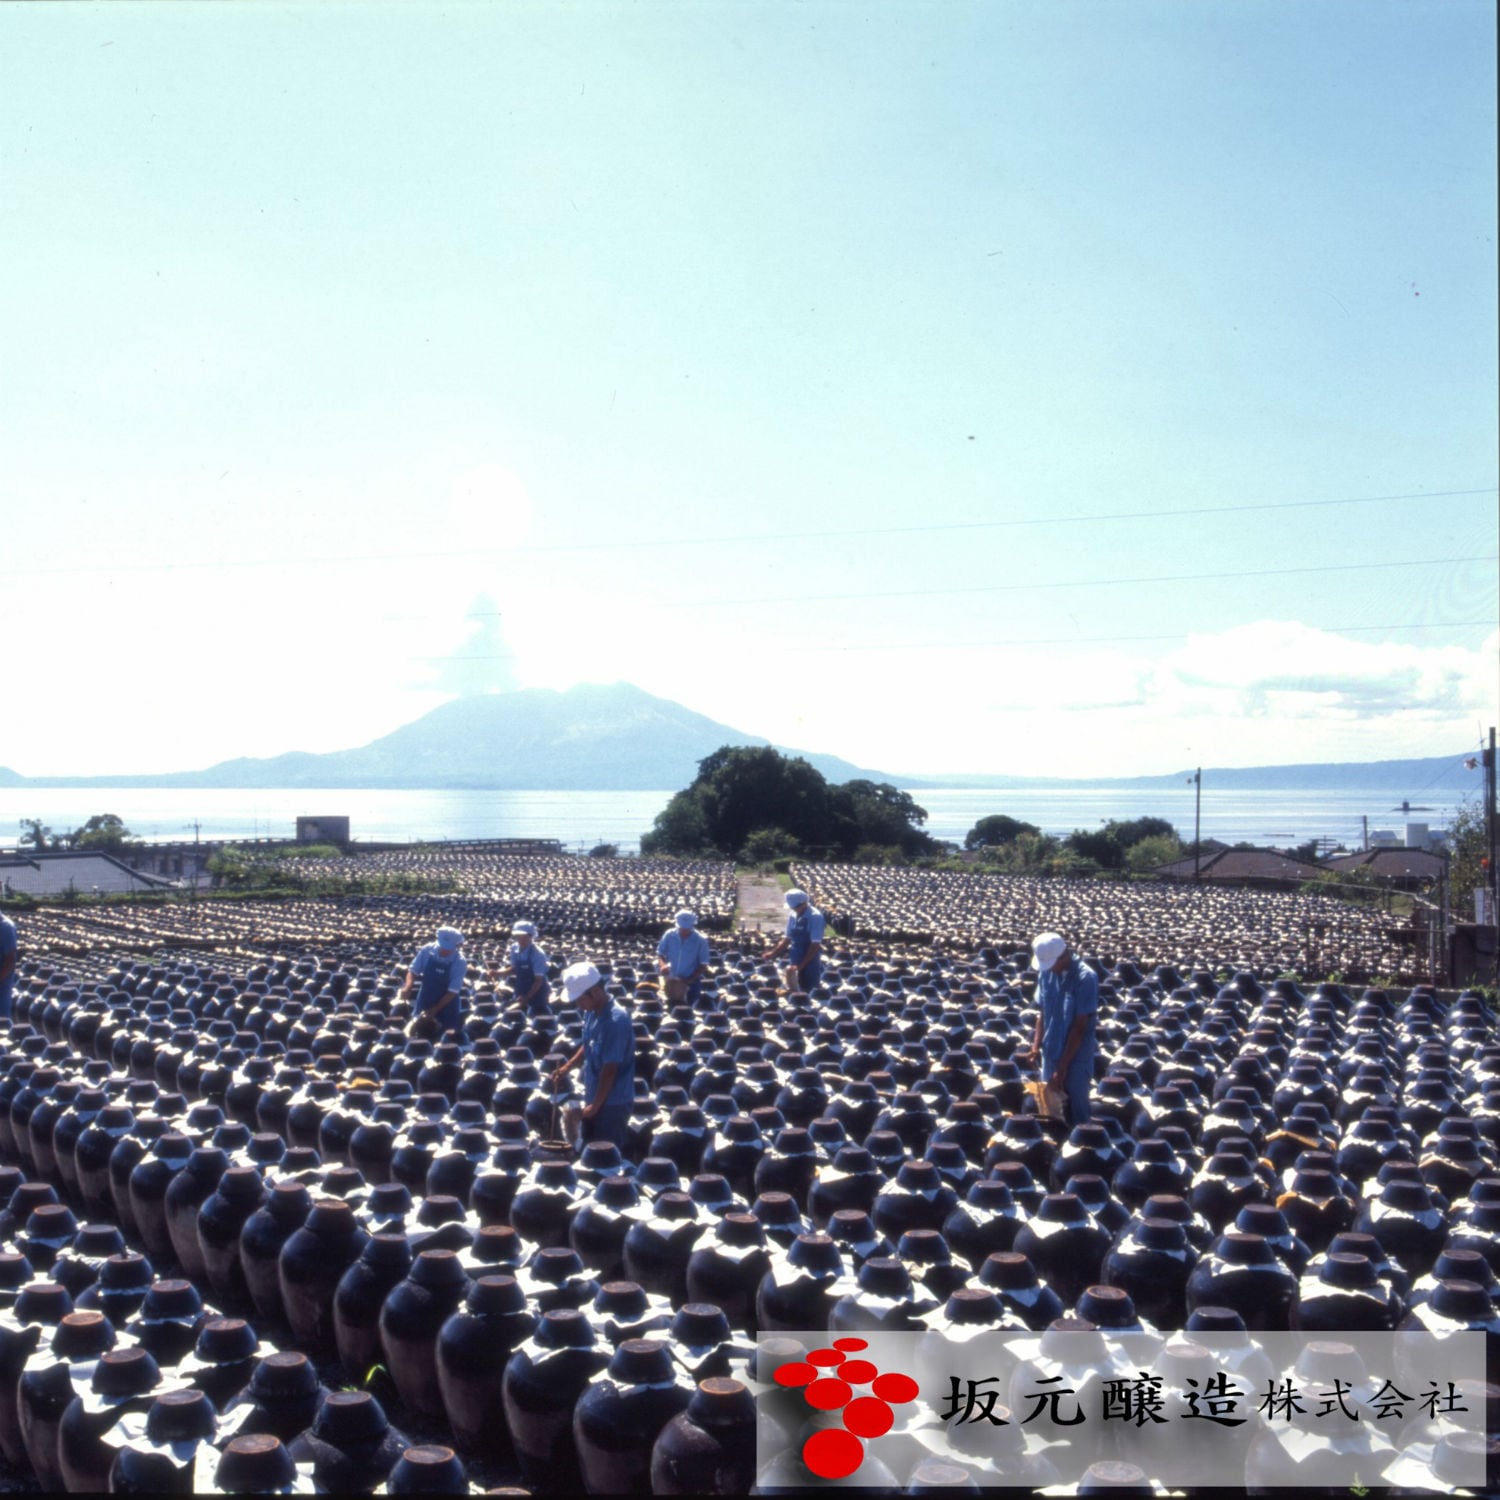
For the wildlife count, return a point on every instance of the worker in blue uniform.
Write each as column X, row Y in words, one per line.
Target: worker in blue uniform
column 683, row 955
column 803, row 943
column 607, row 1055
column 528, row 969
column 1064, row 1042
column 441, row 969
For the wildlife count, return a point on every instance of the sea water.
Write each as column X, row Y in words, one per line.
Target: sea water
column 582, row 819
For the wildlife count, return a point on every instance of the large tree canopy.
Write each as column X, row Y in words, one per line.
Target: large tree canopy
column 103, row 831
column 749, row 798
column 997, row 830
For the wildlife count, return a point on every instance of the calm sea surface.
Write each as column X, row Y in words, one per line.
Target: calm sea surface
column 583, row 819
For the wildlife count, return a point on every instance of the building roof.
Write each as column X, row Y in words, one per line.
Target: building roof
column 1243, row 864
column 52, row 872
column 1393, row 864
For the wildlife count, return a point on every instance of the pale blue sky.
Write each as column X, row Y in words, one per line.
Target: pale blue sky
column 721, row 348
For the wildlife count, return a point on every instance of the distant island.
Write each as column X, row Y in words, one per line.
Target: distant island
column 617, row 737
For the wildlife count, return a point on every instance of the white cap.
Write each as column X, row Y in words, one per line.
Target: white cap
column 578, row 979
column 523, row 929
column 1046, row 950
column 796, row 898
column 449, row 937
column 686, row 919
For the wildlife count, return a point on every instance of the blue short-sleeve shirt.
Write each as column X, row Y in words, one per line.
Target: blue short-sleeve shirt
column 528, row 963
column 804, row 927
column 609, row 1037
column 8, row 946
column 1063, row 998
column 685, row 952
column 440, row 976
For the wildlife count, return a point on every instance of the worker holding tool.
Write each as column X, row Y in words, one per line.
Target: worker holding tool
column 683, row 956
column 803, row 943
column 607, row 1055
column 528, row 969
column 441, row 969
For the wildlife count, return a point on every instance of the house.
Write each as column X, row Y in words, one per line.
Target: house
column 1405, row 869
column 87, row 871
column 1267, row 869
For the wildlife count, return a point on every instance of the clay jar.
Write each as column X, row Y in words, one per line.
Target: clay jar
column 542, row 1383
column 361, row 1293
column 224, row 1359
column 35, row 1315
column 1065, row 1245
column 1243, row 1273
column 1152, row 1262
column 473, row 1348
column 148, row 1194
column 599, row 1227
column 351, row 1444
column 917, row 1198
column 619, row 1418
column 986, row 1221
column 543, row 1206
column 853, row 1181
column 312, row 1261
column 1012, row 1277
column 120, row 1287
column 799, row 1290
column 255, row 1464
column 44, row 1391
column 43, row 1125
column 429, row 1469
column 186, row 1194
column 709, row 1448
column 91, row 1154
column 221, row 1218
column 1345, row 1293
column 185, row 1420
column 727, row 1266
column 169, row 1320
column 657, row 1249
column 789, row 1166
column 123, row 1380
column 130, row 1151
column 65, row 1136
column 265, row 1233
column 414, row 1313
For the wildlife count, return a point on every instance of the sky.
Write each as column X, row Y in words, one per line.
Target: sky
column 1032, row 388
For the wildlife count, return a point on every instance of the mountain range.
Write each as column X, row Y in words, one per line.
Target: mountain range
column 617, row 737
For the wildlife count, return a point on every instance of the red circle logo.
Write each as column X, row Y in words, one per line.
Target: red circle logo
column 826, row 1378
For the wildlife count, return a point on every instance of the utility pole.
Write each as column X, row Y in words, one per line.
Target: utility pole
column 1197, row 779
column 1492, row 885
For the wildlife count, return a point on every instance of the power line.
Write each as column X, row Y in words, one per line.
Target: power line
column 656, row 543
column 1060, row 640
column 1077, row 583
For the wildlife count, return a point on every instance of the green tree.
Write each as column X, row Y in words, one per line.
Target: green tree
column 680, row 827
column 767, row 844
column 104, row 831
column 1132, row 830
column 35, row 833
column 997, row 830
column 742, row 790
column 870, row 812
column 1096, row 846
column 1148, row 854
column 1467, row 850
column 604, row 851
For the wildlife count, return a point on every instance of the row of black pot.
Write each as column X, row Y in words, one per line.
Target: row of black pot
column 715, row 1194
